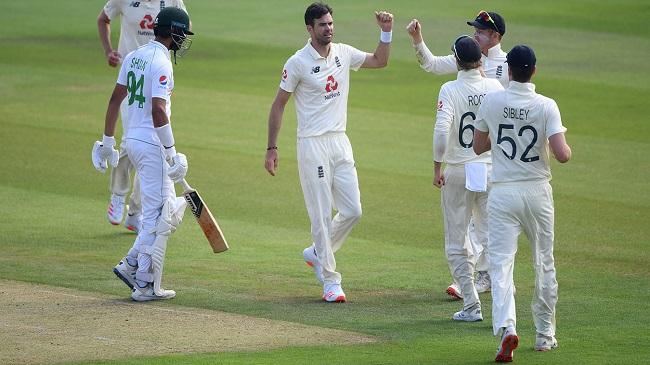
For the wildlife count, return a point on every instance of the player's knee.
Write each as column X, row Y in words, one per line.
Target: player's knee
column 352, row 214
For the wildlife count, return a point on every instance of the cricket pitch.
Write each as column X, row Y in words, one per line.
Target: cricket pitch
column 42, row 324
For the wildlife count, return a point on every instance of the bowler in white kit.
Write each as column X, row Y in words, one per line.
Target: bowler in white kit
column 519, row 126
column 319, row 76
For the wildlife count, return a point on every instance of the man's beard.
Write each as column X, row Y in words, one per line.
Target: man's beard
column 322, row 41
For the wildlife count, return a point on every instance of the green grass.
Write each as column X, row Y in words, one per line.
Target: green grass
column 54, row 87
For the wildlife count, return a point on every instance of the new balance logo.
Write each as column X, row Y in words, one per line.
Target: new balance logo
column 134, row 4
column 321, row 172
column 315, row 69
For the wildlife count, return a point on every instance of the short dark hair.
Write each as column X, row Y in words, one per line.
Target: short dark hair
column 522, row 74
column 315, row 11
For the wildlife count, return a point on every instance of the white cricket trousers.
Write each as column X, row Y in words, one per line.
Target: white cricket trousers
column 120, row 182
column 328, row 177
column 155, row 188
column 458, row 206
column 513, row 207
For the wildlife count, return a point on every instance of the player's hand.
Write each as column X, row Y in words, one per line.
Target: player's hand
column 271, row 162
column 177, row 167
column 438, row 179
column 384, row 20
column 104, row 153
column 113, row 58
column 415, row 31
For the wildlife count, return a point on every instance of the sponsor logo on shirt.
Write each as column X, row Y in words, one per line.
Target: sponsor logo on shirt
column 146, row 22
column 439, row 104
column 330, row 87
column 163, row 80
column 499, row 70
column 134, row 4
column 336, row 59
column 162, row 4
column 284, row 74
column 321, row 172
column 315, row 69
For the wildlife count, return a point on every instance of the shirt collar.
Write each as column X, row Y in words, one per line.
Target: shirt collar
column 314, row 53
column 161, row 46
column 474, row 74
column 521, row 87
column 495, row 51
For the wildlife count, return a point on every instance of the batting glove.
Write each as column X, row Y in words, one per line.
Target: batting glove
column 177, row 167
column 104, row 153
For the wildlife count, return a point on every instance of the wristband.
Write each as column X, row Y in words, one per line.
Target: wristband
column 165, row 135
column 108, row 141
column 272, row 148
column 386, row 37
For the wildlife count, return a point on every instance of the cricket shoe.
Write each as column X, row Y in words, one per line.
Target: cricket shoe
column 509, row 342
column 146, row 294
column 333, row 293
column 454, row 291
column 545, row 343
column 483, row 283
column 309, row 254
column 115, row 210
column 133, row 221
column 125, row 272
column 471, row 315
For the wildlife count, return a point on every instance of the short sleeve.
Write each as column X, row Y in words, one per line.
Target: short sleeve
column 480, row 123
column 290, row 75
column 112, row 9
column 121, row 77
column 553, row 120
column 162, row 81
column 357, row 57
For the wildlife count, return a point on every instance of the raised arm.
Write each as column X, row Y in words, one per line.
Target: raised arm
column 439, row 65
column 275, row 122
column 379, row 59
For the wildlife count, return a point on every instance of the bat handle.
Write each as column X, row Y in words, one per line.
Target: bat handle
column 185, row 185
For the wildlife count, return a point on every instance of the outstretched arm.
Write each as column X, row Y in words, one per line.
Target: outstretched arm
column 379, row 59
column 275, row 122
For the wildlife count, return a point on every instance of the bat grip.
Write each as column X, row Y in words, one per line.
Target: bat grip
column 185, row 185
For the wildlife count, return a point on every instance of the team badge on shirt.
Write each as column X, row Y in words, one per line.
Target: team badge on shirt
column 284, row 74
column 163, row 80
column 331, row 84
column 439, row 104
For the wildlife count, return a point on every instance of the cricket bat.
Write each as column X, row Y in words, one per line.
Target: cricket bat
column 205, row 219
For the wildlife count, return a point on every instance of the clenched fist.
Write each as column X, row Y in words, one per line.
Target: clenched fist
column 415, row 31
column 384, row 20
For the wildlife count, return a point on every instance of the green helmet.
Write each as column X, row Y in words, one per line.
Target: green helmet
column 172, row 17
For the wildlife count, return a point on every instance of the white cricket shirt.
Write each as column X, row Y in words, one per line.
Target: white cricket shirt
column 458, row 103
column 136, row 18
column 320, row 86
column 147, row 73
column 493, row 64
column 519, row 121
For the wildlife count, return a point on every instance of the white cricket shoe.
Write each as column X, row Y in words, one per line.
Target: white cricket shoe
column 545, row 343
column 454, row 291
column 333, row 293
column 132, row 222
column 509, row 342
column 483, row 283
column 115, row 210
column 471, row 315
column 309, row 254
column 125, row 272
column 146, row 294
